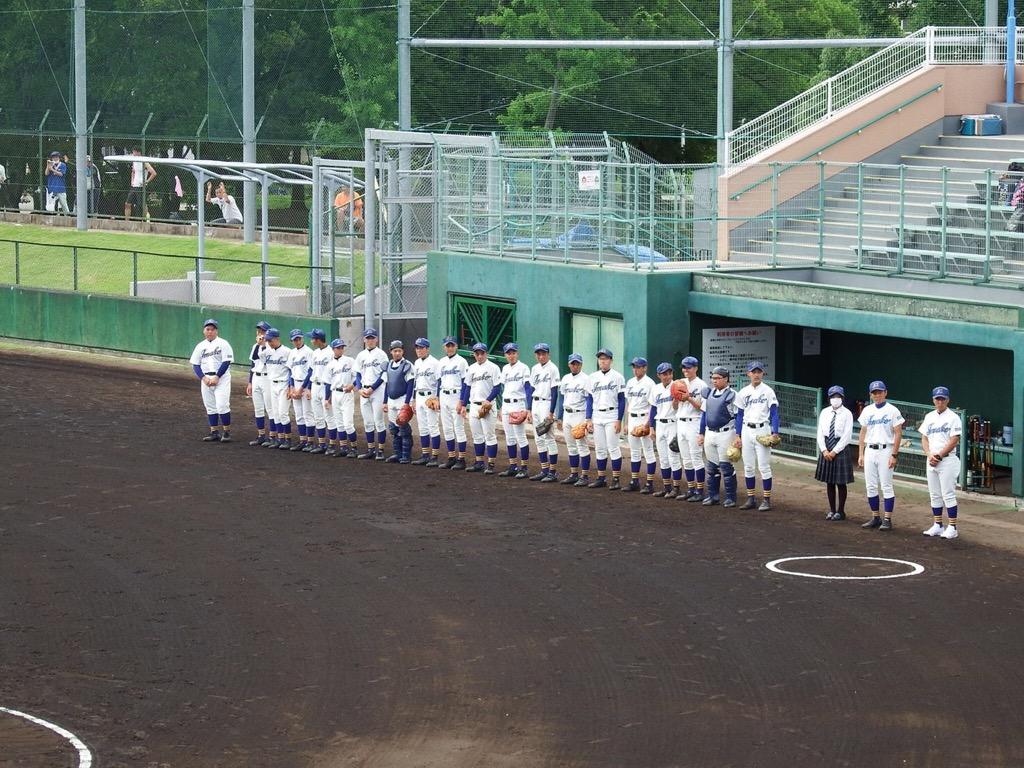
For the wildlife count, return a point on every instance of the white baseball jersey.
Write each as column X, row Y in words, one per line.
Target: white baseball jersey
column 514, row 379
column 319, row 359
column 258, row 355
column 638, row 395
column 482, row 378
column 452, row 372
column 276, row 361
column 370, row 365
column 209, row 355
column 880, row 423
column 574, row 390
column 756, row 402
column 426, row 371
column 605, row 387
column 661, row 400
column 939, row 428
column 299, row 361
column 340, row 372
column 543, row 378
column 692, row 407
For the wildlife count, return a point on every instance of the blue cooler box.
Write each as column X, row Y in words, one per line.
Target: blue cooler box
column 981, row 125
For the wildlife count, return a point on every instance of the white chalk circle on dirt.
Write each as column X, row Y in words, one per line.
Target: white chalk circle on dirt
column 776, row 567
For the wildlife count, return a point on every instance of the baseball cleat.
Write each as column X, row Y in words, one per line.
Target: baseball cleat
column 370, row 454
column 477, row 467
column 671, row 493
column 935, row 530
column 272, row 443
column 331, row 452
column 510, row 472
column 614, row 486
column 647, row 489
column 431, row 463
column 213, row 437
column 729, row 503
column 521, row 475
column 570, row 479
column 318, row 450
column 489, row 470
column 950, row 533
column 874, row 522
column 829, row 515
column 379, row 456
column 422, row 461
column 599, row 483
column 459, row 464
column 394, row 458
column 257, row 442
column 633, row 485
column 285, row 445
column 343, row 453
column 750, row 503
column 662, row 493
column 710, row 501
column 450, row 463
column 404, row 460
column 583, row 482
column 539, row 476
column 766, row 505
column 550, row 477
column 695, row 496
column 886, row 524
column 297, row 447
column 226, row 437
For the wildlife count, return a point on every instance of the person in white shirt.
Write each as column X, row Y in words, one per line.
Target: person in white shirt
column 664, row 406
column 258, row 387
column 835, row 469
column 340, row 402
column 757, row 413
column 605, row 410
column 481, row 385
column 211, row 362
column 688, row 431
column 516, row 397
column 881, row 429
column 638, row 409
column 940, row 437
column 573, row 403
column 544, row 380
column 229, row 212
column 300, row 379
column 370, row 365
column 142, row 173
column 425, row 368
column 452, row 374
column 318, row 362
column 275, row 359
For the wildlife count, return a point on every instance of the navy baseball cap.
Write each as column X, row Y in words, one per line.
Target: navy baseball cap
column 720, row 370
column 295, row 334
column 576, row 358
column 212, row 322
column 605, row 352
column 510, row 347
column 940, row 392
column 337, row 344
column 664, row 367
column 639, row 362
column 449, row 340
column 755, row 365
column 55, row 153
column 836, row 390
column 263, row 325
column 542, row 347
column 479, row 347
column 396, row 344
column 318, row 333
column 421, row 342
column 690, row 362
column 370, row 333
column 273, row 333
column 877, row 386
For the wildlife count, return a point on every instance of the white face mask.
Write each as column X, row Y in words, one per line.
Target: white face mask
column 836, row 402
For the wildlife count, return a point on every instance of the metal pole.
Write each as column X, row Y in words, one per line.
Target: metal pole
column 902, row 220
column 42, row 176
column 991, row 18
column 248, row 115
column 404, row 66
column 201, row 220
column 135, row 274
column 1011, row 52
column 775, row 215
column 988, row 226
column 316, row 232
column 821, row 213
column 81, row 129
column 945, row 222
column 860, row 215
column 370, row 233
column 265, row 220
column 725, row 54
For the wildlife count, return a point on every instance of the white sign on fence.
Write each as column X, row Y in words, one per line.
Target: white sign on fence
column 590, row 181
column 733, row 348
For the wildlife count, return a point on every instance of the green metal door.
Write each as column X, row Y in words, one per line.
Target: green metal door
column 491, row 321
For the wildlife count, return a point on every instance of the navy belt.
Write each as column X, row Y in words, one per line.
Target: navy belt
column 726, row 428
column 757, row 426
column 603, row 410
column 449, row 391
column 637, row 415
column 514, row 400
column 574, row 410
column 688, row 418
column 664, row 421
column 879, row 446
column 424, row 394
column 254, row 373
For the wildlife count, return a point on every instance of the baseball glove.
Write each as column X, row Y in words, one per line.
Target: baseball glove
column 732, row 453
column 679, row 389
column 769, row 440
column 545, row 426
column 580, row 430
column 517, row 417
column 485, row 408
column 641, row 430
column 673, row 445
column 432, row 403
column 404, row 415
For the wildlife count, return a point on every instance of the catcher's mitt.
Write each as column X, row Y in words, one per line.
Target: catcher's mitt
column 517, row 417
column 641, row 430
column 673, row 445
column 545, row 426
column 679, row 389
column 769, row 440
column 485, row 408
column 432, row 403
column 580, row 430
column 404, row 415
column 732, row 453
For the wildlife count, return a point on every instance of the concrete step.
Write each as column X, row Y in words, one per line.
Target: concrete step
column 953, row 162
column 910, row 195
column 995, row 142
column 930, row 262
column 973, row 153
column 963, row 240
column 872, row 205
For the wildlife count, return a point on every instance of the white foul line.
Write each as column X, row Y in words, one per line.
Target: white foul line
column 774, row 566
column 84, row 755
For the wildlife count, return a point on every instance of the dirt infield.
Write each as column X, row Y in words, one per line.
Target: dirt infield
column 175, row 603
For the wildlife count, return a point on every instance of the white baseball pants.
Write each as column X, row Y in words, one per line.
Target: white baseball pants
column 217, row 399
column 606, row 441
column 484, row 430
column 717, row 443
column 664, row 431
column 394, row 408
column 575, row 447
column 640, row 446
column 691, row 455
column 877, row 472
column 545, row 443
column 942, row 481
column 282, row 404
column 515, row 434
column 756, row 456
column 372, row 410
column 303, row 409
column 262, row 402
column 454, row 426
column 342, row 413
column 428, row 422
column 317, row 406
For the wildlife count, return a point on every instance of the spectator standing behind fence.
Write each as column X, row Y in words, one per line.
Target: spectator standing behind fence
column 835, row 469
column 345, row 204
column 229, row 213
column 92, row 185
column 3, row 186
column 142, row 174
column 56, row 184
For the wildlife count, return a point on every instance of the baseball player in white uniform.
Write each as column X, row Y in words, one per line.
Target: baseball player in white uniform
column 452, row 374
column 258, row 388
column 757, row 413
column 319, row 359
column 638, row 406
column 426, row 369
column 211, row 362
column 664, row 418
column 940, row 436
column 607, row 407
column 370, row 365
column 340, row 401
column 717, row 435
column 688, row 430
column 276, row 361
column 482, row 384
column 544, row 380
column 516, row 396
column 573, row 404
column 881, row 429
column 300, row 377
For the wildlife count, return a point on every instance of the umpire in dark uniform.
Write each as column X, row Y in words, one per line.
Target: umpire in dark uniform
column 835, row 469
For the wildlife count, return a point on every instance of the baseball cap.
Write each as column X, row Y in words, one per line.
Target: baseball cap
column 639, row 362
column 941, row 392
column 421, row 342
column 212, row 322
column 542, row 347
column 396, row 344
column 877, row 385
column 720, row 370
column 576, row 358
column 273, row 333
column 664, row 367
column 479, row 347
column 836, row 390
column 263, row 325
column 690, row 362
column 55, row 153
column 295, row 334
column 318, row 333
column 449, row 340
column 605, row 352
column 755, row 365
column 337, row 344
column 370, row 333
column 510, row 347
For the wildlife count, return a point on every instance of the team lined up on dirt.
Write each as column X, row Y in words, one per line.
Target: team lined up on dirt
column 676, row 429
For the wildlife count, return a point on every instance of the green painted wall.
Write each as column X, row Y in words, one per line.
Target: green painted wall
column 155, row 328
